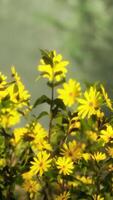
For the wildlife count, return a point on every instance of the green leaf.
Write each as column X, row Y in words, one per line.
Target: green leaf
column 42, row 99
column 59, row 103
column 42, row 114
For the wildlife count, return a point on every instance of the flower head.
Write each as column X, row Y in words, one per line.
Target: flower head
column 110, row 151
column 107, row 135
column 64, row 196
column 65, row 165
column 98, row 156
column 70, row 92
column 41, row 163
column 31, row 186
column 90, row 104
column 73, row 150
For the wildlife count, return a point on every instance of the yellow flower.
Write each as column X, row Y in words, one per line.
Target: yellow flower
column 31, row 186
column 107, row 135
column 39, row 145
column 18, row 134
column 64, row 196
column 18, row 94
column 73, row 150
column 86, row 156
column 10, row 118
column 91, row 135
column 41, row 163
column 98, row 156
column 84, row 179
column 52, row 66
column 39, row 141
column 70, row 92
column 90, row 104
column 65, row 165
column 27, row 175
column 2, row 80
column 98, row 197
column 106, row 98
column 110, row 151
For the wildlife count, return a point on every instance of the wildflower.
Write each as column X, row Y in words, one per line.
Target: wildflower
column 86, row 156
column 70, row 92
column 2, row 80
column 106, row 98
column 90, row 104
column 39, row 141
column 107, row 135
column 41, row 163
column 27, row 175
column 64, row 196
column 18, row 94
column 31, row 186
column 98, row 156
column 10, row 118
column 84, row 179
column 18, row 134
column 52, row 66
column 91, row 135
column 110, row 151
column 73, row 150
column 98, row 197
column 65, row 165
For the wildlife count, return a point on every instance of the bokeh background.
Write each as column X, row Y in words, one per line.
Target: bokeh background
column 82, row 30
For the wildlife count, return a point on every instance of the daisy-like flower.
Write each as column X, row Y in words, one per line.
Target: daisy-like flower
column 106, row 98
column 110, row 151
column 70, row 92
column 31, row 186
column 52, row 66
column 90, row 104
column 65, row 165
column 64, row 196
column 73, row 150
column 98, row 156
column 41, row 163
column 107, row 135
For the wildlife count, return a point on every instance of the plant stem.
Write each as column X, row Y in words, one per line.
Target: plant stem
column 51, row 112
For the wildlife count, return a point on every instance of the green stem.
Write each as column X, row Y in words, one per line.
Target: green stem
column 51, row 113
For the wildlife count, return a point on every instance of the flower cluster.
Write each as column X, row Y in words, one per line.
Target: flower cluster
column 69, row 158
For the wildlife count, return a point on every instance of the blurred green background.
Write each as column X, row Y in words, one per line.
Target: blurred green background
column 81, row 30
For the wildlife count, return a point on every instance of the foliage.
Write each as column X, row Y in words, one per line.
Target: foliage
column 73, row 158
